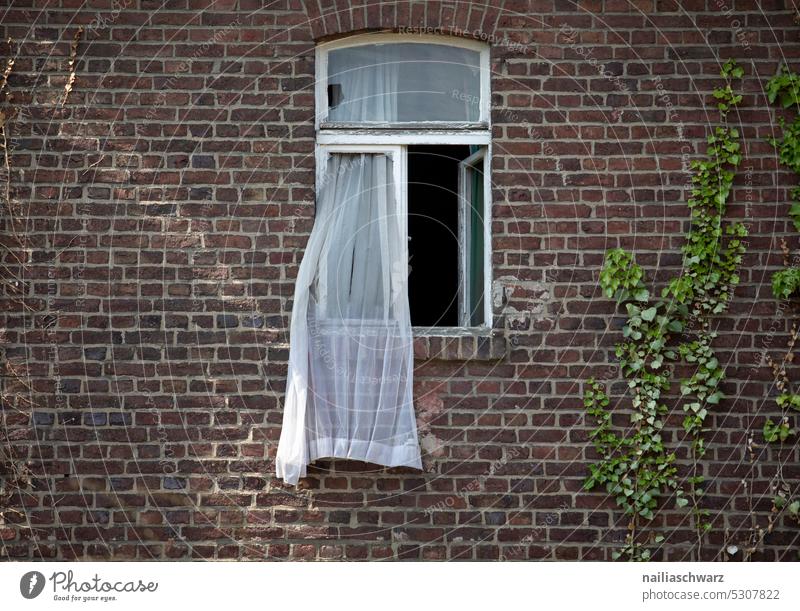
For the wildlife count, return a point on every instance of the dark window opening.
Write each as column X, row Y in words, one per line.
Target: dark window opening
column 433, row 230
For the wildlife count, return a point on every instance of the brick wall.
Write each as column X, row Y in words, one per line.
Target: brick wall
column 169, row 202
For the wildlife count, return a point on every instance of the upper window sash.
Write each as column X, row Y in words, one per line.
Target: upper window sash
column 323, row 51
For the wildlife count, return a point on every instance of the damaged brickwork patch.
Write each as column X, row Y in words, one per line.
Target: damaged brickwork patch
column 429, row 407
column 521, row 302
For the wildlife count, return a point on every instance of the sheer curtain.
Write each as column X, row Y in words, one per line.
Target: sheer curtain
column 349, row 392
column 404, row 82
column 369, row 79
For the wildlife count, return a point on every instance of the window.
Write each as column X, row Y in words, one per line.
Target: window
column 426, row 98
column 400, row 238
column 402, row 82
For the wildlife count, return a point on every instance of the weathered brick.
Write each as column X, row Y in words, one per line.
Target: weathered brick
column 177, row 186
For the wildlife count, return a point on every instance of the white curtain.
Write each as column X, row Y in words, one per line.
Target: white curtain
column 369, row 77
column 404, row 82
column 349, row 388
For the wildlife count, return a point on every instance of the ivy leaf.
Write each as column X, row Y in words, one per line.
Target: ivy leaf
column 649, row 314
column 794, row 213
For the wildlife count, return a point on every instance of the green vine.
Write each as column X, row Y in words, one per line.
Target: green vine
column 785, row 497
column 786, row 282
column 637, row 468
column 784, row 88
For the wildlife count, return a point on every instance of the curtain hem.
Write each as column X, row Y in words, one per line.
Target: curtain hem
column 407, row 455
column 380, row 454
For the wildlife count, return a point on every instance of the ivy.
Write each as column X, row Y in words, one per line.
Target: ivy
column 638, row 469
column 777, row 432
column 622, row 278
column 785, row 499
column 784, row 88
column 789, row 400
column 786, row 282
column 788, row 147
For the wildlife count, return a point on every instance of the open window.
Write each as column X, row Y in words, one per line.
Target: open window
column 446, row 235
column 429, row 96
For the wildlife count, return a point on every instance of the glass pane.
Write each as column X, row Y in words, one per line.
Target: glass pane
column 403, row 82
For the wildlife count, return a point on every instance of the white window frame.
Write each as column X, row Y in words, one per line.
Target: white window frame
column 394, row 139
column 321, row 75
column 395, row 152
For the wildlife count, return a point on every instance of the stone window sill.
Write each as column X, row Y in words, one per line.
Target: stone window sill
column 459, row 344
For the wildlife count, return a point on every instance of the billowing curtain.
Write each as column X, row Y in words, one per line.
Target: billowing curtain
column 349, row 392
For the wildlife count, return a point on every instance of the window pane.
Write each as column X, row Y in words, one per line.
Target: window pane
column 403, row 82
column 433, row 231
column 446, row 224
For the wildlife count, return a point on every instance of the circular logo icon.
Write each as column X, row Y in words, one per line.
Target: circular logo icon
column 31, row 584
